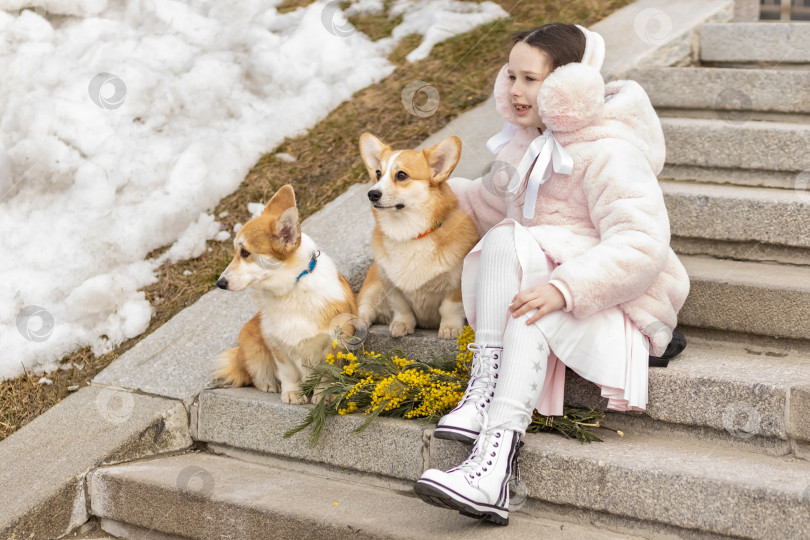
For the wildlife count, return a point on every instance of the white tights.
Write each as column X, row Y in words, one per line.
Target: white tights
column 525, row 351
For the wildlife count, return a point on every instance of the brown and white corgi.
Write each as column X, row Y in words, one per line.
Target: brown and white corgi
column 419, row 242
column 300, row 294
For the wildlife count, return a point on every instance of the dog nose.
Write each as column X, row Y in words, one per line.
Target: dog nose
column 374, row 195
column 222, row 283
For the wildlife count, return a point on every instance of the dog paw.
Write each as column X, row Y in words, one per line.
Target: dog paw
column 317, row 398
column 399, row 328
column 265, row 387
column 293, row 397
column 449, row 332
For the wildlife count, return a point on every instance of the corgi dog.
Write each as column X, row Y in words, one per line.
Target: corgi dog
column 419, row 241
column 301, row 296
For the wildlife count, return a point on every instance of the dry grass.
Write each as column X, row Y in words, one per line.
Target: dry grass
column 462, row 69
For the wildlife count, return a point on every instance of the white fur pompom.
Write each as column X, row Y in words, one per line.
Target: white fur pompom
column 571, row 98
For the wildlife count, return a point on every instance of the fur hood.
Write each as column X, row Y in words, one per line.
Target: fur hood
column 577, row 105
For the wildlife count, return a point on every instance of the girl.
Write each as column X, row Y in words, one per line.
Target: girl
column 574, row 266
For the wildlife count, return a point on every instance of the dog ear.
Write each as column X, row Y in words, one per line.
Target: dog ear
column 288, row 228
column 443, row 158
column 371, row 149
column 281, row 201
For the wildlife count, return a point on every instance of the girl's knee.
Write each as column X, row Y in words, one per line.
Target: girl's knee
column 500, row 240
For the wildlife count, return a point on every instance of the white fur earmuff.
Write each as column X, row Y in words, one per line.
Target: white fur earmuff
column 571, row 98
column 503, row 99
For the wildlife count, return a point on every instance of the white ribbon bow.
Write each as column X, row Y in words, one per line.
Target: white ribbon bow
column 499, row 140
column 547, row 155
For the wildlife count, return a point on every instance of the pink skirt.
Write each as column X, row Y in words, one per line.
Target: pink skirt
column 605, row 348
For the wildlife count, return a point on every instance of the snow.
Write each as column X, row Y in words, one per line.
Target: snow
column 284, row 156
column 122, row 124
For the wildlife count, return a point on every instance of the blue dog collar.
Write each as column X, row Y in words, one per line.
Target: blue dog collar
column 312, row 263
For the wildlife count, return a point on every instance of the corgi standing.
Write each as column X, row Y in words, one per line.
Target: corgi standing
column 419, row 241
column 301, row 296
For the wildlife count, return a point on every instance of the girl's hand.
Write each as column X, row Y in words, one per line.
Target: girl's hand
column 544, row 298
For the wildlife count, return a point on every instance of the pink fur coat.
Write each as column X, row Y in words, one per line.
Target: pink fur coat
column 605, row 224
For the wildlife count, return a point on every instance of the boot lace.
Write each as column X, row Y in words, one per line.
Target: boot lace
column 483, row 374
column 484, row 452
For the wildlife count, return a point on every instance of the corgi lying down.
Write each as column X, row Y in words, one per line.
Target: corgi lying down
column 303, row 303
column 419, row 242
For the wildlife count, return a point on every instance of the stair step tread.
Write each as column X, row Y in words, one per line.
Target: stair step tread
column 761, row 298
column 247, row 500
column 734, row 213
column 685, row 483
column 783, row 42
column 746, row 127
column 727, row 89
column 724, row 191
column 741, row 390
column 763, row 145
column 748, row 273
column 738, row 177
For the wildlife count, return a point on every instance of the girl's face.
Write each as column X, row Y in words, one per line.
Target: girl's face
column 528, row 68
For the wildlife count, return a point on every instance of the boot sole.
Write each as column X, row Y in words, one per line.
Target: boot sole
column 455, row 434
column 444, row 497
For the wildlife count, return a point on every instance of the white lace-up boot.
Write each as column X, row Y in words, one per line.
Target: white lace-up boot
column 464, row 422
column 479, row 487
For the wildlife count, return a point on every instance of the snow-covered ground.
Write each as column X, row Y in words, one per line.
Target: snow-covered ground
column 122, row 124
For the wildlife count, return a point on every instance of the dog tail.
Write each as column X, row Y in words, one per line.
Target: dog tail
column 230, row 370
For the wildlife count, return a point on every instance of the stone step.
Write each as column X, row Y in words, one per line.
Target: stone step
column 769, row 146
column 798, row 182
column 733, row 397
column 737, row 395
column 738, row 214
column 206, row 496
column 730, row 93
column 761, row 298
column 748, row 297
column 750, row 251
column 773, row 42
column 685, row 483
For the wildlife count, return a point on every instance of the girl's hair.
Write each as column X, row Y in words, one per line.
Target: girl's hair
column 563, row 43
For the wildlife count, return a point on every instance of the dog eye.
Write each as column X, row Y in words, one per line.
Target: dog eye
column 402, row 175
column 379, row 174
column 244, row 253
